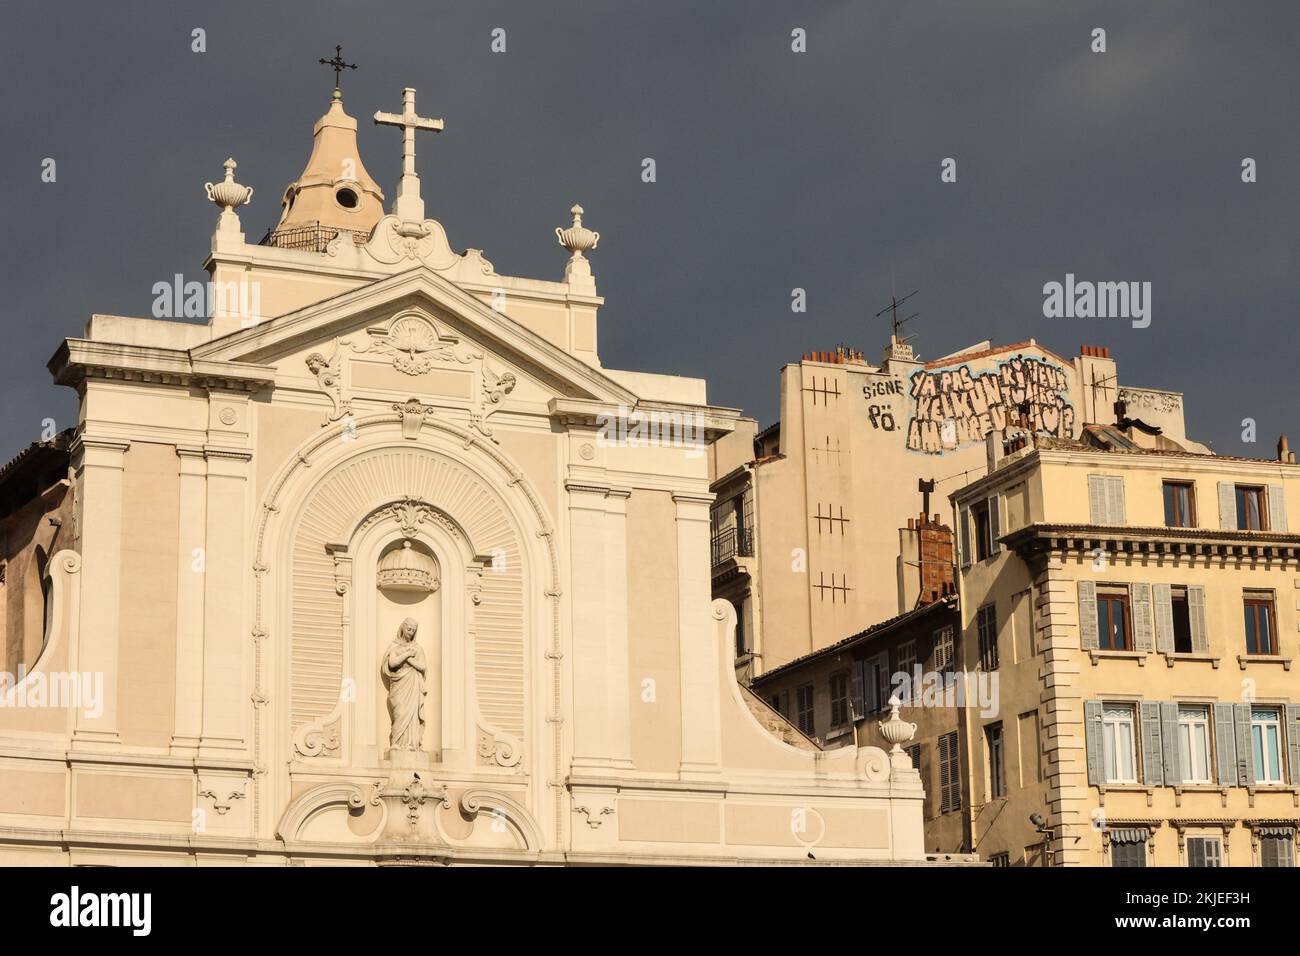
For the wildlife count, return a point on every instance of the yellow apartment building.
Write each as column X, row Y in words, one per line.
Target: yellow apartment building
column 1140, row 605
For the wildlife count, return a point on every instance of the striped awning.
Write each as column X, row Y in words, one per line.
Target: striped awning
column 1129, row 835
column 1285, row 832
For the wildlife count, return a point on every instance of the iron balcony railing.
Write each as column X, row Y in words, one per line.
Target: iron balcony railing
column 311, row 238
column 732, row 543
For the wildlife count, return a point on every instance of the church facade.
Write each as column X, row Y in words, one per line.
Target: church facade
column 379, row 564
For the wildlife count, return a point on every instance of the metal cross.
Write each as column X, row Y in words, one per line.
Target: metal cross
column 338, row 64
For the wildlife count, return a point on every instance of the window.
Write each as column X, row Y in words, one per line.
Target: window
column 1106, row 499
column 1119, row 764
column 906, row 666
column 949, row 774
column 997, row 761
column 742, row 641
column 943, row 649
column 1180, row 504
column 1277, row 847
column 1204, row 851
column 1250, row 508
column 875, row 680
column 1000, row 860
column 914, row 754
column 1194, row 743
column 1113, row 625
column 1182, row 620
column 804, row 709
column 986, row 624
column 779, row 702
column 1260, row 617
column 839, row 700
column 1266, row 741
column 983, row 527
column 1129, row 852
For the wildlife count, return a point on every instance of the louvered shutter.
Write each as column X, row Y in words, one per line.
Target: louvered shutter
column 1097, row 499
column 1293, row 741
column 1227, row 506
column 1163, row 606
column 1092, row 737
column 1143, row 624
column 1225, row 744
column 883, row 686
column 1173, row 754
column 1276, row 509
column 1153, row 758
column 1116, row 513
column 1196, row 852
column 1245, row 750
column 856, row 692
column 1088, row 615
column 965, row 538
column 1196, row 613
column 995, row 523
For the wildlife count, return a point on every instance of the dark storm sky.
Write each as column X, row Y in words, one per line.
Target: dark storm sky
column 775, row 170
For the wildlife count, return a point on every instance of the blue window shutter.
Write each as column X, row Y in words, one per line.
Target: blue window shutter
column 1276, row 508
column 1162, row 602
column 1225, row 744
column 1245, row 750
column 1227, row 506
column 1143, row 618
column 1097, row 499
column 1088, row 615
column 1169, row 740
column 1153, row 758
column 1196, row 613
column 1092, row 737
column 1293, row 740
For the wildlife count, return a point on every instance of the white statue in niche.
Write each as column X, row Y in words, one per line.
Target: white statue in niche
column 403, row 670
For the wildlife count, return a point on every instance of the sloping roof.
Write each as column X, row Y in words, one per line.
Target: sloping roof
column 29, row 472
column 948, row 603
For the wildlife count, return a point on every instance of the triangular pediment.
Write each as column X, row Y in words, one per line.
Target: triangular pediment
column 415, row 318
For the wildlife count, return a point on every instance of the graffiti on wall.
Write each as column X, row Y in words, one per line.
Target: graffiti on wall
column 955, row 407
column 880, row 395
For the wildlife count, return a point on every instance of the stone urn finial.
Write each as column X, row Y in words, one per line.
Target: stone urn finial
column 228, row 194
column 577, row 238
column 896, row 730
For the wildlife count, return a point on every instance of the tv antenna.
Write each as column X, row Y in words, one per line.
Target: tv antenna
column 895, row 322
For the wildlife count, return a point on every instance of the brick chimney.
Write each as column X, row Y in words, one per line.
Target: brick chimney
column 927, row 553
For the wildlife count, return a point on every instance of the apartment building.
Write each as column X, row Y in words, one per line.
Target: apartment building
column 1140, row 605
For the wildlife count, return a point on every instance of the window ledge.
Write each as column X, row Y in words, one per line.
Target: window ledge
column 1099, row 655
column 1172, row 656
column 1244, row 659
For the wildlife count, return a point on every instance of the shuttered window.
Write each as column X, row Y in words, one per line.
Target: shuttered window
column 1118, row 752
column 1266, row 744
column 1113, row 619
column 1106, row 499
column 1260, row 619
column 1277, row 848
column 986, row 625
column 1250, row 508
column 1194, row 744
column 996, row 750
column 804, row 709
column 1204, row 851
column 943, row 649
column 839, row 700
column 1180, row 504
column 1128, row 854
column 949, row 774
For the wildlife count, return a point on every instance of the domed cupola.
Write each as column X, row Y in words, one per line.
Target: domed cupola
column 334, row 191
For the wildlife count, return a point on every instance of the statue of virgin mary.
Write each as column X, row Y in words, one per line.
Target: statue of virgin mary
column 403, row 670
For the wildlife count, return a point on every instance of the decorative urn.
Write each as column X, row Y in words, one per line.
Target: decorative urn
column 895, row 730
column 577, row 238
column 228, row 194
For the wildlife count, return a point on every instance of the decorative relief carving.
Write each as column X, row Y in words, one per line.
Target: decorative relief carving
column 320, row 738
column 415, row 345
column 499, row 749
column 416, row 794
column 594, row 821
column 413, row 412
column 220, row 804
column 410, row 514
column 329, row 376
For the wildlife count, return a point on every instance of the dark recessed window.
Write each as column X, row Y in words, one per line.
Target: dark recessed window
column 346, row 198
column 1182, row 614
column 1250, row 508
column 1180, row 504
column 980, row 514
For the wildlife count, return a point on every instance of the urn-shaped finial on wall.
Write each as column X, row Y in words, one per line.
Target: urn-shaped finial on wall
column 895, row 730
column 228, row 194
column 578, row 239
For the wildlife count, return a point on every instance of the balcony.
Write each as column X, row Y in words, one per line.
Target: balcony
column 315, row 238
column 732, row 543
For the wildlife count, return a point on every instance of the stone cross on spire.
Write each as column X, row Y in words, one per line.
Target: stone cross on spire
column 409, row 207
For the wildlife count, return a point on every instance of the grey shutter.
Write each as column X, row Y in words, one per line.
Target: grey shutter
column 995, row 523
column 1245, row 752
column 1097, row 499
column 866, row 679
column 1227, row 505
column 965, row 537
column 1293, row 740
column 855, row 691
column 1225, row 744
column 1088, row 615
column 883, row 684
column 1276, row 509
column 1092, row 737
column 1196, row 852
column 1143, row 627
column 1169, row 739
column 1162, row 601
column 1153, row 758
column 1115, row 510
column 1196, row 613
